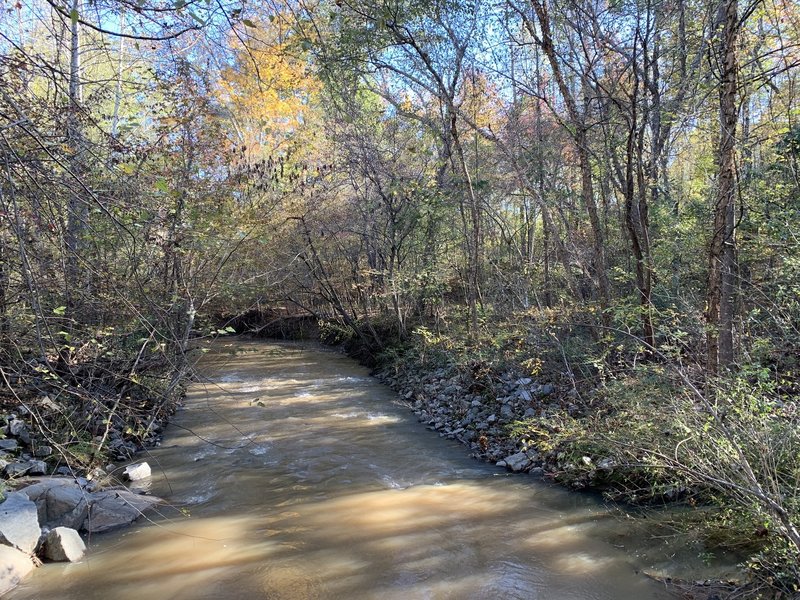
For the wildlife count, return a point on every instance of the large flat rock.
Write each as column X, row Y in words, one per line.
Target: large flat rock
column 110, row 509
column 63, row 502
column 19, row 522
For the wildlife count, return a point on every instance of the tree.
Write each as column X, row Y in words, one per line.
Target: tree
column 722, row 252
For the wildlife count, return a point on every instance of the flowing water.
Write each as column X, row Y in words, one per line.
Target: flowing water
column 291, row 474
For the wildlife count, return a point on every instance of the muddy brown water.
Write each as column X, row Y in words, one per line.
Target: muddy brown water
column 291, row 474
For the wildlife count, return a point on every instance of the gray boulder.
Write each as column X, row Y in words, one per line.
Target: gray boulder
column 110, row 509
column 60, row 501
column 15, row 566
column 43, row 451
column 8, row 444
column 16, row 469
column 64, row 544
column 19, row 522
column 37, row 467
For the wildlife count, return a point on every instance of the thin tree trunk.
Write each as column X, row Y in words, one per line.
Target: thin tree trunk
column 722, row 252
column 77, row 210
column 118, row 88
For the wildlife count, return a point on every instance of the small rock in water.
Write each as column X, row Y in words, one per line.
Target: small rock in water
column 137, row 471
column 115, row 508
column 63, row 544
column 517, row 462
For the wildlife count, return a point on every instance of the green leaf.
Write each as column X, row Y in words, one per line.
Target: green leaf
column 249, row 23
column 60, row 311
column 73, row 15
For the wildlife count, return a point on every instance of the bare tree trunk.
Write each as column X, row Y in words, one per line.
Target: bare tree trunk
column 4, row 281
column 636, row 192
column 77, row 210
column 118, row 88
column 722, row 252
column 474, row 232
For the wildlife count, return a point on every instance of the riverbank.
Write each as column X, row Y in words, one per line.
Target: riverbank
column 513, row 404
column 632, row 425
column 71, row 419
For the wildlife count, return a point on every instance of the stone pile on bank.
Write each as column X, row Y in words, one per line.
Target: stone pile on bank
column 481, row 411
column 44, row 518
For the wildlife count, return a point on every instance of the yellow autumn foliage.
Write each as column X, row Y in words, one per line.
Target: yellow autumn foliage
column 270, row 91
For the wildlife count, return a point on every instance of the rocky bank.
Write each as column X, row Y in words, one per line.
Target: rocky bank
column 479, row 408
column 44, row 517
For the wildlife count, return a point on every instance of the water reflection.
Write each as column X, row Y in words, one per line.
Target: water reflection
column 293, row 475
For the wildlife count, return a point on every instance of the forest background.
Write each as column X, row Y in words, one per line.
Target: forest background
column 600, row 194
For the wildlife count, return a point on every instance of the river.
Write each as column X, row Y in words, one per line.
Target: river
column 291, row 474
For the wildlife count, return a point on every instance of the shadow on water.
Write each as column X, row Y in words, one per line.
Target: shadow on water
column 292, row 475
